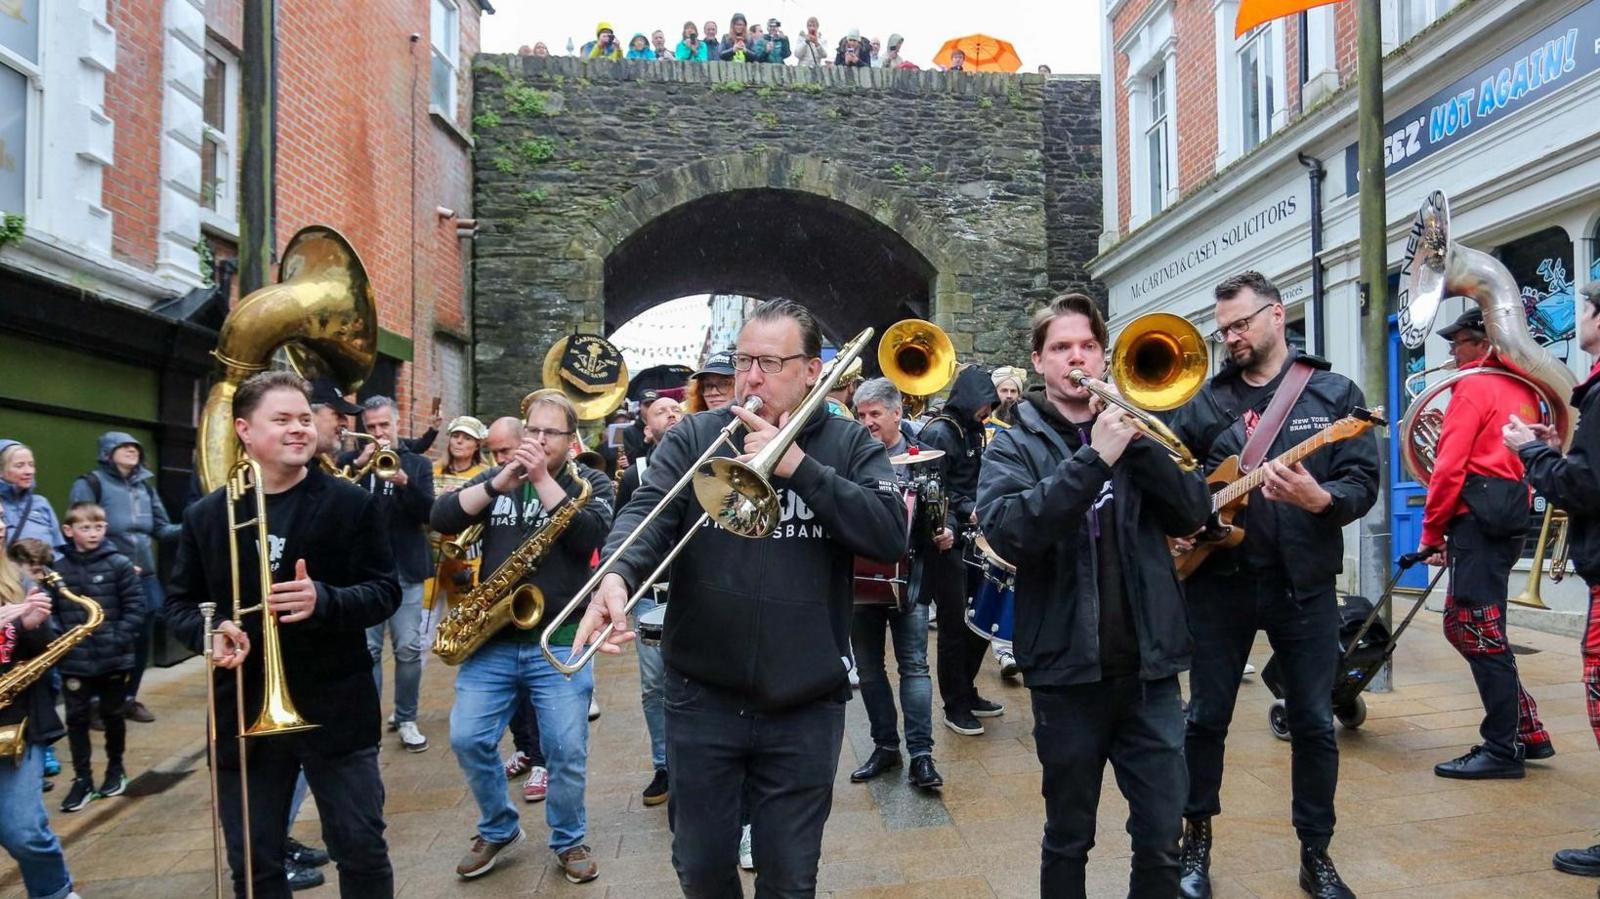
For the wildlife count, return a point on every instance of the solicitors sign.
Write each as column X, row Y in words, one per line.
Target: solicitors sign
column 1533, row 70
column 1223, row 243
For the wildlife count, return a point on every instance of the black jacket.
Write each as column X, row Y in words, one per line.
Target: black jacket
column 512, row 519
column 405, row 514
column 957, row 431
column 1572, row 482
column 1034, row 501
column 767, row 619
column 339, row 530
column 1310, row 548
column 35, row 702
column 107, row 577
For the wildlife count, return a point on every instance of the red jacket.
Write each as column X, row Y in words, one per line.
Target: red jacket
column 1470, row 443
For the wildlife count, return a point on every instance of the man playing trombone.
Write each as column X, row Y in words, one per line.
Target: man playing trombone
column 757, row 637
column 333, row 576
column 1083, row 507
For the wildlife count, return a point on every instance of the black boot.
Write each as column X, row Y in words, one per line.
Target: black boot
column 1319, row 878
column 923, row 775
column 1194, row 859
column 880, row 761
column 1479, row 764
column 1583, row 862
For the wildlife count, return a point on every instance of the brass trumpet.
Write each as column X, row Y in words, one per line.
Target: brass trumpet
column 1557, row 547
column 1158, row 363
column 385, row 462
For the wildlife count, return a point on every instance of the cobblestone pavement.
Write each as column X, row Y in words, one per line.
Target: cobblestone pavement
column 1402, row 832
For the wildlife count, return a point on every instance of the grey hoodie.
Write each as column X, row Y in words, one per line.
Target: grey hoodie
column 135, row 516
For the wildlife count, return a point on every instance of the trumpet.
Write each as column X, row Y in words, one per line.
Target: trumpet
column 456, row 548
column 1158, row 363
column 739, row 496
column 385, row 462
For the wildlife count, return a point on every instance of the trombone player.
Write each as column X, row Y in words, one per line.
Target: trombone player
column 332, row 577
column 757, row 638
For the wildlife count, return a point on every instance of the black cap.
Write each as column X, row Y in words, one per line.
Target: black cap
column 717, row 364
column 1471, row 319
column 326, row 393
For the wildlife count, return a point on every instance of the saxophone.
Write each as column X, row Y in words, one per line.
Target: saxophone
column 13, row 742
column 498, row 600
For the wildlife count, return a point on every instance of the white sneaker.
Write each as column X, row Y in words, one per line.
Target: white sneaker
column 855, row 677
column 594, row 708
column 411, row 739
column 1249, row 669
column 747, row 861
column 1008, row 663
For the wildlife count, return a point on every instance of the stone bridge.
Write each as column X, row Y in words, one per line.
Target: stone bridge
column 604, row 188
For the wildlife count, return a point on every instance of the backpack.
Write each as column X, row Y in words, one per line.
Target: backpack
column 96, row 488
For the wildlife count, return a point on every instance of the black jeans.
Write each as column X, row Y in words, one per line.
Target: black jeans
column 1224, row 615
column 349, row 796
column 1138, row 726
column 1480, row 567
column 78, row 692
column 961, row 649
column 525, row 730
column 717, row 751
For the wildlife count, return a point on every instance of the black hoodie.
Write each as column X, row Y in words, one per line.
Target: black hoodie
column 767, row 620
column 1572, row 481
column 960, row 433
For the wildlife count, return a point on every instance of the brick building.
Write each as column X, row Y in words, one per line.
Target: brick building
column 1221, row 152
column 119, row 159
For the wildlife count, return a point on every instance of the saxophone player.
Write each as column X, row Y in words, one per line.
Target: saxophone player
column 514, row 501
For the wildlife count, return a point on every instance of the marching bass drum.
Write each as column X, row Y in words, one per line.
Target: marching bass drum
column 886, row 583
column 990, row 611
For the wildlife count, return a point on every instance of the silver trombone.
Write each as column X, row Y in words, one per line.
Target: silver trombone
column 738, row 495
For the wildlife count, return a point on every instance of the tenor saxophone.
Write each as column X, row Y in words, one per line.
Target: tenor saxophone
column 13, row 741
column 498, row 600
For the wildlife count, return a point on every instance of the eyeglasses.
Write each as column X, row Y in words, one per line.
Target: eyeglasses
column 543, row 433
column 769, row 364
column 1220, row 335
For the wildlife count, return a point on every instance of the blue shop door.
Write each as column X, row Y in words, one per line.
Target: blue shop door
column 1407, row 495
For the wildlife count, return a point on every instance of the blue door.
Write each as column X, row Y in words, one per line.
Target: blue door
column 1407, row 496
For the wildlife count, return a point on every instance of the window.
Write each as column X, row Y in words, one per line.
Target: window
column 1155, row 138
column 219, row 113
column 1258, row 67
column 19, row 61
column 1416, row 15
column 445, row 42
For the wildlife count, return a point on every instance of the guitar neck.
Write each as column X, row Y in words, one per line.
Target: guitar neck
column 1231, row 493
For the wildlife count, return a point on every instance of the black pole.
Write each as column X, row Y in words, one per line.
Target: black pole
column 1315, row 172
column 257, row 111
column 1305, row 63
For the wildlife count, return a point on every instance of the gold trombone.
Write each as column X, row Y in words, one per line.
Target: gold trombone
column 278, row 714
column 1558, row 547
column 1159, row 363
column 739, row 496
column 385, row 462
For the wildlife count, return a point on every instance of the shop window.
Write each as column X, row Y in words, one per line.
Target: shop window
column 1594, row 253
column 1542, row 265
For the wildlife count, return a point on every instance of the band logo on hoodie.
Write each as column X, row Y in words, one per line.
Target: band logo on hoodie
column 795, row 519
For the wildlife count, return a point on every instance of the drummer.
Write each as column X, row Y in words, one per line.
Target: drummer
column 878, row 407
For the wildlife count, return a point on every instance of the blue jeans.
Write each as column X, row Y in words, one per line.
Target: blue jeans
column 909, row 632
column 651, row 672
column 487, row 687
column 406, row 634
column 25, row 828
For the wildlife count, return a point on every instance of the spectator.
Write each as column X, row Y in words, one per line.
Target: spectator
column 877, row 48
column 773, row 46
column 691, row 48
column 100, row 666
column 709, row 35
column 524, row 50
column 658, row 44
column 604, row 45
column 958, row 61
column 29, row 513
column 541, row 51
column 712, row 386
column 1044, row 69
column 639, row 47
column 738, row 33
column 811, row 52
column 853, row 51
column 136, row 520
column 892, row 59
column 423, row 442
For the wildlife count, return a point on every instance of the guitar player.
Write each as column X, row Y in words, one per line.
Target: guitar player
column 1280, row 579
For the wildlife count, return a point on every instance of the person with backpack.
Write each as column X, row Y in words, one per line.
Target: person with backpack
column 136, row 522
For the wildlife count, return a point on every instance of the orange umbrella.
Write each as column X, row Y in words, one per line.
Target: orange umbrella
column 984, row 54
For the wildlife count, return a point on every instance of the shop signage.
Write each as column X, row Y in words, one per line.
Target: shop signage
column 1224, row 242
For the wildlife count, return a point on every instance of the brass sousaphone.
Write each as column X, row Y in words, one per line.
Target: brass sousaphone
column 918, row 357
column 589, row 371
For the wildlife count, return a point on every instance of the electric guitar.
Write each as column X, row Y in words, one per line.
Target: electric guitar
column 1230, row 492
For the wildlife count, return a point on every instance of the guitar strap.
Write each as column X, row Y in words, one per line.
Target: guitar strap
column 1276, row 415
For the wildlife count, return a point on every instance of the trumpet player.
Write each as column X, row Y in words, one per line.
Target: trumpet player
column 330, row 411
column 1477, row 505
column 403, row 500
column 333, row 577
column 757, row 638
column 1083, row 506
column 1572, row 482
column 513, row 502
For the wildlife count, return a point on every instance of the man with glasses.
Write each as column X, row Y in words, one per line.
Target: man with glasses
column 757, row 636
column 712, row 386
column 514, row 500
column 1281, row 578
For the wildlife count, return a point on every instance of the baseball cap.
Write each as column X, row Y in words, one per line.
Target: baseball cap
column 650, row 396
column 716, row 364
column 1471, row 319
column 326, row 393
column 469, row 426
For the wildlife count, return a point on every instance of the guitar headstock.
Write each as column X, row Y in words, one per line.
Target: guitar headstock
column 1356, row 423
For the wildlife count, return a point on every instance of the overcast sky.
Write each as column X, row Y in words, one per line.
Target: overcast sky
column 1064, row 34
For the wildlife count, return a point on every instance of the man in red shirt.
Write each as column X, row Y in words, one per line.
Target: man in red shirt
column 1478, row 503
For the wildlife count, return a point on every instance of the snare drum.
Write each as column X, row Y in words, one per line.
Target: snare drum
column 651, row 625
column 989, row 613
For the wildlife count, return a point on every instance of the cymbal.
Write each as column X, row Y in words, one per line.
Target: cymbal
column 915, row 455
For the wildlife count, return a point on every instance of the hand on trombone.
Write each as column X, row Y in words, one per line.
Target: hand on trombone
column 605, row 607
column 759, row 432
column 229, row 645
column 1112, row 432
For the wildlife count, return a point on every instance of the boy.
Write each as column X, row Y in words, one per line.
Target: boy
column 101, row 666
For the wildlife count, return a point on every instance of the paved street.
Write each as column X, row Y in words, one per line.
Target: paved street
column 1403, row 832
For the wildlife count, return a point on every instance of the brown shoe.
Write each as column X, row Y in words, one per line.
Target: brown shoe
column 481, row 857
column 578, row 864
column 137, row 711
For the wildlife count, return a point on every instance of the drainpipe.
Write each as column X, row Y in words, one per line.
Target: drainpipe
column 1316, row 173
